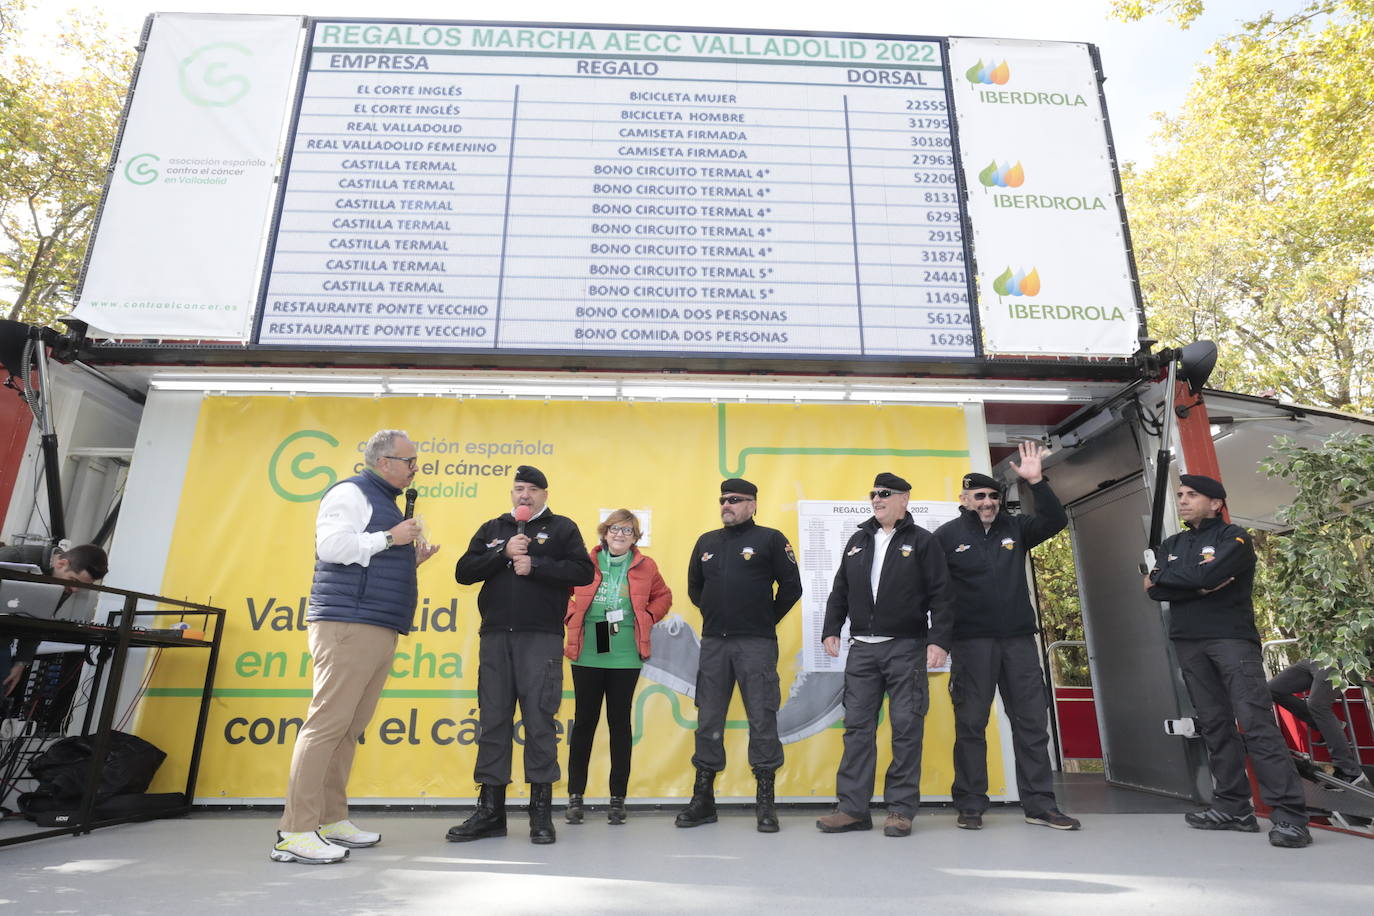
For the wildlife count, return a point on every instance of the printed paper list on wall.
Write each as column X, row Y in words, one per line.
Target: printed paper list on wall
column 591, row 189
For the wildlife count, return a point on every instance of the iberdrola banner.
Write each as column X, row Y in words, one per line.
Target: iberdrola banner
column 244, row 540
column 1048, row 230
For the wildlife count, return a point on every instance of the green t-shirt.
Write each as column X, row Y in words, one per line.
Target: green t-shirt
column 613, row 592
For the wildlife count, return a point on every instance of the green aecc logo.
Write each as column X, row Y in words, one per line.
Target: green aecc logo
column 293, row 466
column 141, row 169
column 208, row 78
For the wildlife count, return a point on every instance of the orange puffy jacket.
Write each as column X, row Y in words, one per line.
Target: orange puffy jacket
column 650, row 598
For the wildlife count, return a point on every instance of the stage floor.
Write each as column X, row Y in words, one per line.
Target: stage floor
column 1133, row 855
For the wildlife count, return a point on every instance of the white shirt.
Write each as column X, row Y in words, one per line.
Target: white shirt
column 881, row 540
column 340, row 535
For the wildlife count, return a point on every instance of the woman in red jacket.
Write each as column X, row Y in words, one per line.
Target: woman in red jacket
column 608, row 625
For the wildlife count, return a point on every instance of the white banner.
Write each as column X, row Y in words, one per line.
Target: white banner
column 179, row 247
column 823, row 528
column 1053, row 277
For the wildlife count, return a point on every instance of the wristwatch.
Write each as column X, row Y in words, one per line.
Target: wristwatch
column 390, row 541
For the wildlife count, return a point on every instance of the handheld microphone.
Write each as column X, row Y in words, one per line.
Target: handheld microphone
column 522, row 515
column 410, row 503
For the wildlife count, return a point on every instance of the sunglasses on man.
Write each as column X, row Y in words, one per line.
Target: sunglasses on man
column 732, row 500
column 980, row 497
column 882, row 494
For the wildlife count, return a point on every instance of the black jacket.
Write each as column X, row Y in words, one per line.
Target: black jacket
column 987, row 570
column 535, row 602
column 731, row 579
column 914, row 580
column 1203, row 558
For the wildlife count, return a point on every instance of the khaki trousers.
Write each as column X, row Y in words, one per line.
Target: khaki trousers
column 352, row 661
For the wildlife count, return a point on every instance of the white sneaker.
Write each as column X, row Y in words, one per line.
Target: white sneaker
column 345, row 833
column 307, row 848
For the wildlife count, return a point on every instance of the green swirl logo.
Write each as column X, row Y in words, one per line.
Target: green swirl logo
column 141, row 170
column 291, row 456
column 207, row 77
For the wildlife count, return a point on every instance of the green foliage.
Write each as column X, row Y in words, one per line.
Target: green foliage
column 1182, row 12
column 1255, row 226
column 57, row 126
column 1061, row 613
column 1322, row 588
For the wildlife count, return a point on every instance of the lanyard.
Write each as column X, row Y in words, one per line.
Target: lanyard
column 612, row 600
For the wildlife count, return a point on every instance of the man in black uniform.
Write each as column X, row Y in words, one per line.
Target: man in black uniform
column 731, row 579
column 891, row 573
column 527, row 571
column 994, row 642
column 1207, row 572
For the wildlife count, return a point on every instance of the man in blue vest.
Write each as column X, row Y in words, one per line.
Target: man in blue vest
column 362, row 597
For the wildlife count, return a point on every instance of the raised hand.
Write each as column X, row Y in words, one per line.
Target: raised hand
column 1029, row 469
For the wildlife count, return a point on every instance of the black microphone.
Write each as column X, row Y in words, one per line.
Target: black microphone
column 410, row 503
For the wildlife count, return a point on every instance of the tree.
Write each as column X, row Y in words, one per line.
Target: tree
column 57, row 126
column 1061, row 612
column 1255, row 226
column 1322, row 575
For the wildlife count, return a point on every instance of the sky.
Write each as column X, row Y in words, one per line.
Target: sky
column 1149, row 65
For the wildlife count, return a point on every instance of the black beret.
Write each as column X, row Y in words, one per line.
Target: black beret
column 891, row 481
column 738, row 485
column 976, row 481
column 1207, row 486
column 527, row 474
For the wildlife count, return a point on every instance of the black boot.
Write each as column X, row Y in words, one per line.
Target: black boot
column 764, row 811
column 702, row 808
column 574, row 813
column 615, row 813
column 541, row 813
column 488, row 820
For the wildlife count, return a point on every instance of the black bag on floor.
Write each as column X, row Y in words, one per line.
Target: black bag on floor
column 61, row 770
column 47, row 811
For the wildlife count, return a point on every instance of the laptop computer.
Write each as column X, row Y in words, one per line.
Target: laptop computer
column 29, row 599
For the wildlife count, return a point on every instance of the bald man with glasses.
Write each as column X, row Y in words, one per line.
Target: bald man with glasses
column 994, row 641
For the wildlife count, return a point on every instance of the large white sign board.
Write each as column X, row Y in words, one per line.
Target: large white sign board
column 610, row 191
column 1053, row 275
column 179, row 247
column 597, row 189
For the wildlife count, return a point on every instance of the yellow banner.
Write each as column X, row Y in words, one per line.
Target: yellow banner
column 244, row 540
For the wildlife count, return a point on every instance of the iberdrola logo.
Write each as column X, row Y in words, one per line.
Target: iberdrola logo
column 1007, row 176
column 1018, row 284
column 982, row 73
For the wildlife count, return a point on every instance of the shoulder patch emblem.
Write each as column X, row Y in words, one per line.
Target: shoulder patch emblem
column 787, row 549
column 747, row 553
column 962, row 547
column 1172, row 558
column 1240, row 540
column 706, row 556
column 853, row 550
column 496, row 543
